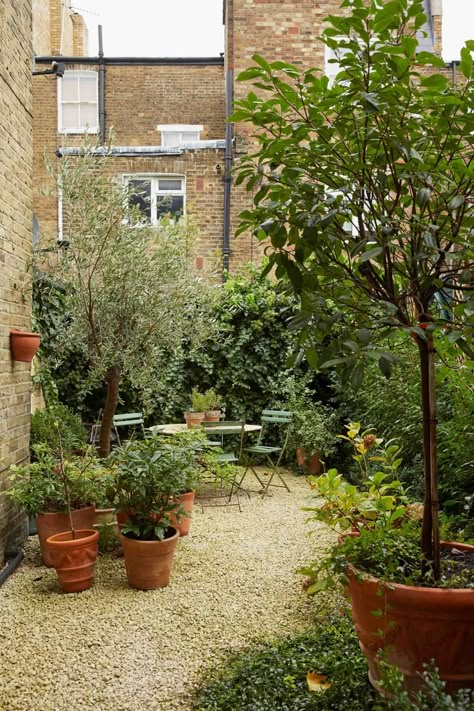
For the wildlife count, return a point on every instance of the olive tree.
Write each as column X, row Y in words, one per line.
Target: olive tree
column 364, row 193
column 130, row 289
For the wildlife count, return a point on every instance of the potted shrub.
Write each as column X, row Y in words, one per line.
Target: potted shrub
column 397, row 604
column 368, row 208
column 148, row 479
column 38, row 488
column 212, row 413
column 24, row 345
column 313, row 436
column 73, row 552
column 195, row 415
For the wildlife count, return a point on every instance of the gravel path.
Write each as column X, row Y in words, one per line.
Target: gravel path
column 112, row 648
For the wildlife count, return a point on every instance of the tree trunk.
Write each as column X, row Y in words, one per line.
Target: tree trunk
column 112, row 379
column 430, row 535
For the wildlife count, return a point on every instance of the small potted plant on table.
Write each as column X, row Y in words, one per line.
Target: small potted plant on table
column 212, row 412
column 195, row 415
column 148, row 481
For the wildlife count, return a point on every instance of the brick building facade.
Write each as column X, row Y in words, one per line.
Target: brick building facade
column 168, row 115
column 16, row 154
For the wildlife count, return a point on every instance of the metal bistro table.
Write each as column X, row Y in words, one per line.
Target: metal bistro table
column 178, row 427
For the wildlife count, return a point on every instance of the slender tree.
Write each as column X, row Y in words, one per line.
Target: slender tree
column 365, row 197
column 130, row 289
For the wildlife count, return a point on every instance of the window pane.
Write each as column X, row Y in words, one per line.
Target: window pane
column 141, row 196
column 88, row 88
column 170, row 184
column 88, row 115
column 169, row 138
column 69, row 88
column 188, row 136
column 169, row 204
column 70, row 116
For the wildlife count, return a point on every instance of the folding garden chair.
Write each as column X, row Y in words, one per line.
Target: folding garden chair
column 128, row 419
column 271, row 452
column 216, row 433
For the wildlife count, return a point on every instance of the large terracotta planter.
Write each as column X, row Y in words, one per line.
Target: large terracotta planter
column 74, row 558
column 417, row 625
column 186, row 501
column 148, row 563
column 194, row 419
column 23, row 345
column 48, row 524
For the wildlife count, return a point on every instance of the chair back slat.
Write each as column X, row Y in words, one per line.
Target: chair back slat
column 282, row 417
column 128, row 418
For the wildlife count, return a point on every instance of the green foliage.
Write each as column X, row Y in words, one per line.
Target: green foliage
column 108, row 539
column 38, row 487
column 273, row 676
column 199, row 401
column 431, row 697
column 44, row 429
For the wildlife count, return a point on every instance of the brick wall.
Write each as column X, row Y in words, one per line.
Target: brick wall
column 41, row 27
column 138, row 98
column 15, row 250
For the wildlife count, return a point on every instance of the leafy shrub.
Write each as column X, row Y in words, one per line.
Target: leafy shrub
column 44, row 430
column 273, row 676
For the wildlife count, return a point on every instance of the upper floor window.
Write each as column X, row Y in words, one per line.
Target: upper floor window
column 173, row 135
column 156, row 196
column 78, row 102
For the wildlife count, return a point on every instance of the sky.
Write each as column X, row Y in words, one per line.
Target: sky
column 187, row 28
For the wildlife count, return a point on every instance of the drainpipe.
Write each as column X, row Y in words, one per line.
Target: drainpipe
column 453, row 72
column 229, row 79
column 101, row 89
column 11, row 566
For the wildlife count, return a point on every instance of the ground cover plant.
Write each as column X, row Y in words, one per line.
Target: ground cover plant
column 274, row 676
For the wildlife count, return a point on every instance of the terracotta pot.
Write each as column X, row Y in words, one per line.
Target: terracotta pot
column 417, row 625
column 194, row 419
column 74, row 558
column 23, row 345
column 212, row 416
column 48, row 524
column 148, row 563
column 186, row 502
column 106, row 517
column 312, row 464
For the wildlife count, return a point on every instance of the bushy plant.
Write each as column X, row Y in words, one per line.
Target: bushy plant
column 275, row 675
column 44, row 429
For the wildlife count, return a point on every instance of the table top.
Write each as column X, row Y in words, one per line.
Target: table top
column 177, row 427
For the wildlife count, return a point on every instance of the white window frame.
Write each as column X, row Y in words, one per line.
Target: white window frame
column 155, row 192
column 180, row 128
column 77, row 129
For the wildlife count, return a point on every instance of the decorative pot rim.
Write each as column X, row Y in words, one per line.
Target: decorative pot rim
column 64, row 513
column 19, row 332
column 90, row 535
column 369, row 578
column 192, row 413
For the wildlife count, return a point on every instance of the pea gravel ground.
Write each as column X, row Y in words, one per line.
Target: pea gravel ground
column 111, row 648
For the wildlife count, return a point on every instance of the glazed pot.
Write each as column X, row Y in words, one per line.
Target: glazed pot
column 311, row 464
column 417, row 625
column 106, row 517
column 74, row 558
column 212, row 416
column 48, row 524
column 23, row 345
column 193, row 419
column 186, row 501
column 148, row 563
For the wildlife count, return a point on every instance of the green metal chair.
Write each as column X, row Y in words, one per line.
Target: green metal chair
column 128, row 419
column 272, row 453
column 216, row 433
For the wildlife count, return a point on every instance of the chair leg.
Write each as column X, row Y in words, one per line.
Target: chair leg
column 275, row 470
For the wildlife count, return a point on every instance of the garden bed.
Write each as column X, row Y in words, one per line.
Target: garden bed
column 233, row 582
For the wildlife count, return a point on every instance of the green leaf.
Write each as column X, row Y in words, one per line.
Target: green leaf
column 422, row 197
column 371, row 254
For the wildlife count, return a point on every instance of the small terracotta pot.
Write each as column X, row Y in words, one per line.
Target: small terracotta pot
column 48, row 524
column 23, row 345
column 74, row 558
column 311, row 464
column 148, row 563
column 212, row 416
column 194, row 419
column 417, row 625
column 186, row 501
